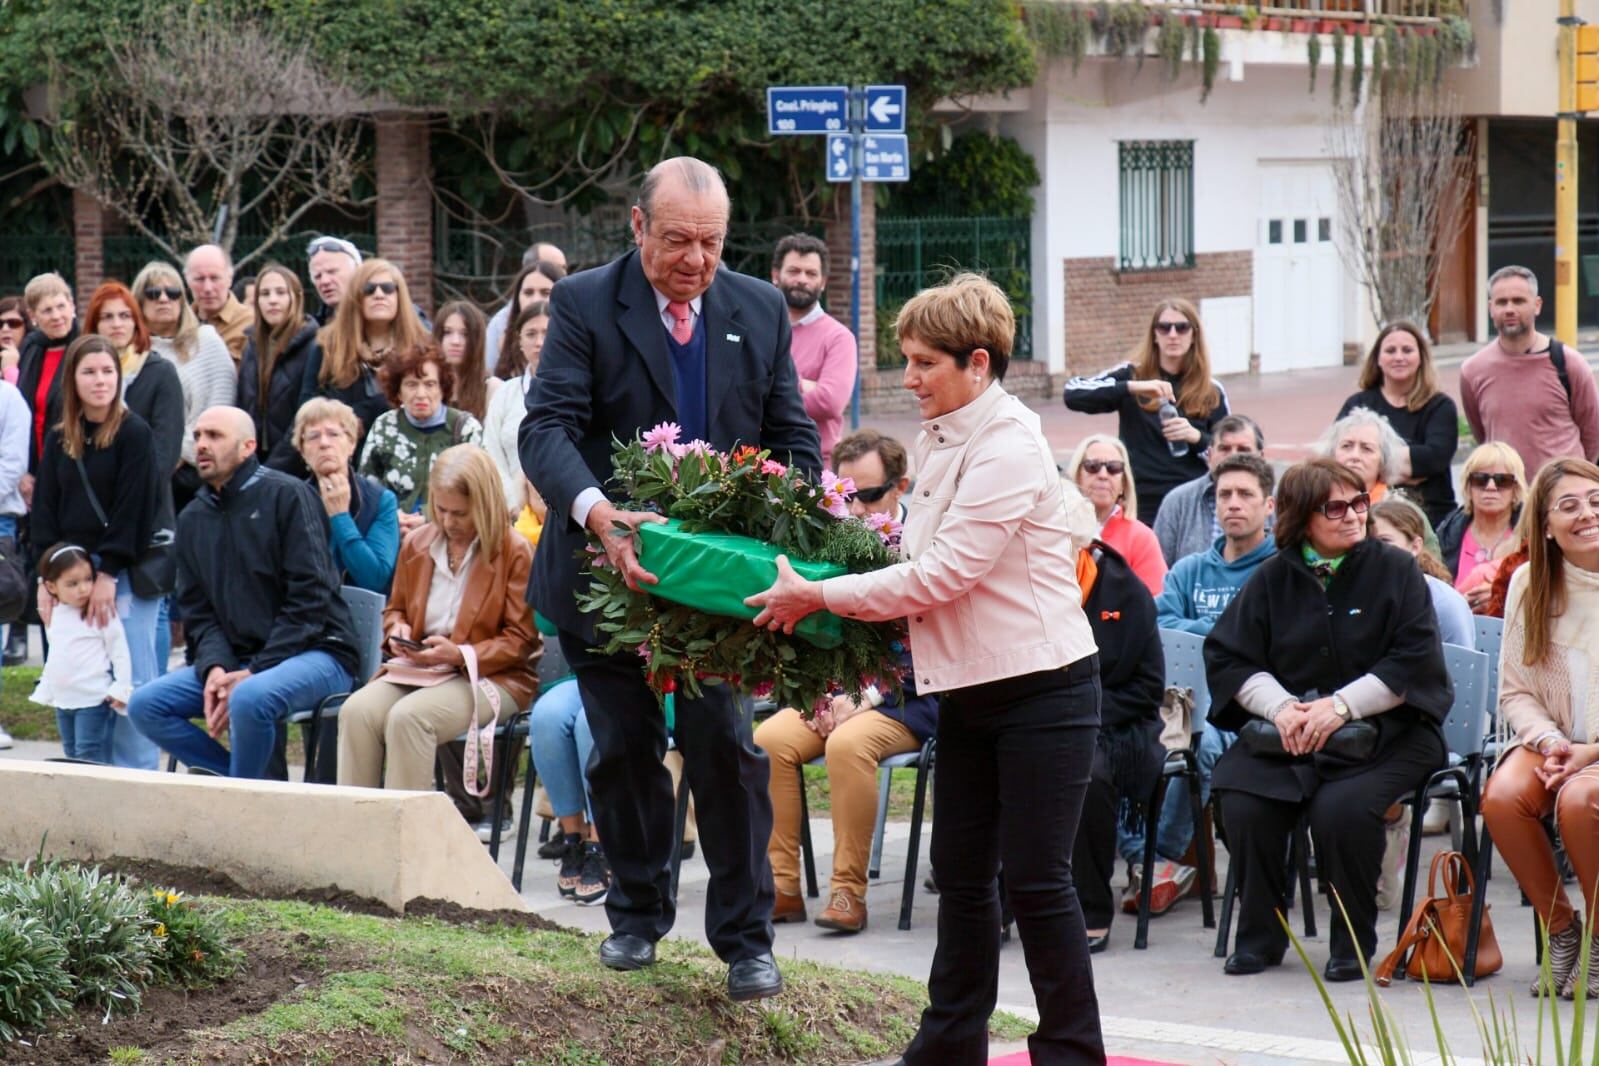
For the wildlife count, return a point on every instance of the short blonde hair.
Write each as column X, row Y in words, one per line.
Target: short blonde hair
column 43, row 286
column 1129, row 500
column 467, row 469
column 1494, row 453
column 319, row 409
column 965, row 313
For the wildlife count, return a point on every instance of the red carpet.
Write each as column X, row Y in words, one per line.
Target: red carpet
column 1021, row 1059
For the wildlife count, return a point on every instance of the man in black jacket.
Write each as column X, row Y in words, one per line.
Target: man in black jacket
column 267, row 631
column 662, row 335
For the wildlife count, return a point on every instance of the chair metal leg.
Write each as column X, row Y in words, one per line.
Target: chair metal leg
column 918, row 806
column 503, row 776
column 1479, row 896
column 522, row 829
column 885, row 779
column 1301, row 851
column 1224, row 934
column 1201, row 847
column 1146, row 884
column 679, row 825
column 807, row 848
column 310, row 737
column 1418, row 805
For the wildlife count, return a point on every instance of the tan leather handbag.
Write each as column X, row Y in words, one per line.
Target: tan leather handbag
column 1438, row 929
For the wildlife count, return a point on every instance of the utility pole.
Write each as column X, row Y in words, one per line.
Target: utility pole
column 1566, row 180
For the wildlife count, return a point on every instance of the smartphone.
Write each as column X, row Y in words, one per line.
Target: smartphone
column 407, row 645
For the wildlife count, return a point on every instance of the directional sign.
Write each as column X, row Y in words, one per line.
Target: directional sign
column 885, row 109
column 797, row 109
column 840, row 160
column 885, row 157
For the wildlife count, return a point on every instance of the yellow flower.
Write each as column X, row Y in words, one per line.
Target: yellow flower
column 173, row 898
column 160, row 930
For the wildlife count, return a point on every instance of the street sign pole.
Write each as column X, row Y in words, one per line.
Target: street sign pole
column 857, row 121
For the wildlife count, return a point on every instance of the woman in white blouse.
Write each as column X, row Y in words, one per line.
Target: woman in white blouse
column 508, row 405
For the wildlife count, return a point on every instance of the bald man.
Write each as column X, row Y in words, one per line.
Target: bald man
column 663, row 334
column 209, row 272
column 267, row 630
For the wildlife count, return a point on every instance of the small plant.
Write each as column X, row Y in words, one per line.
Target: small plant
column 1169, row 42
column 34, row 984
column 1212, row 61
column 193, row 952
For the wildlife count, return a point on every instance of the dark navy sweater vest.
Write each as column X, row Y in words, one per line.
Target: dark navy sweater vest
column 688, row 371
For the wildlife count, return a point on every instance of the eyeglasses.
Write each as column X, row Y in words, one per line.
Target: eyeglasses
column 387, row 288
column 871, row 494
column 1114, row 467
column 1481, row 480
column 12, row 323
column 1178, row 328
column 1571, row 506
column 331, row 434
column 1336, row 510
column 155, row 292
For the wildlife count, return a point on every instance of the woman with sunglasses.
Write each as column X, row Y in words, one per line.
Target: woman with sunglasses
column 1167, row 404
column 1549, row 702
column 277, row 349
column 1398, row 382
column 1482, row 530
column 205, row 366
column 1101, row 472
column 375, row 317
column 1334, row 629
column 13, row 327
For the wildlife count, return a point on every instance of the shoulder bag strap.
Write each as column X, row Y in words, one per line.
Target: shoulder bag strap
column 1413, row 934
column 479, row 738
column 94, row 501
column 1557, row 356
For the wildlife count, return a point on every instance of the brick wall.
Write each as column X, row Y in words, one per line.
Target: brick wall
column 1107, row 311
column 89, row 224
column 405, row 202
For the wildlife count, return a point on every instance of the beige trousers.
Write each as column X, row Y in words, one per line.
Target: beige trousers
column 407, row 725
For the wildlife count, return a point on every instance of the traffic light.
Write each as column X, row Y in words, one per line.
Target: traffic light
column 1588, row 68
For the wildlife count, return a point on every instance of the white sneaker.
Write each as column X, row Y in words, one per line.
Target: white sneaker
column 1436, row 820
column 1392, row 881
column 5, row 738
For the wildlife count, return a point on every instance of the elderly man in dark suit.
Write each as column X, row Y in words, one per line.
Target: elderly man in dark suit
column 662, row 335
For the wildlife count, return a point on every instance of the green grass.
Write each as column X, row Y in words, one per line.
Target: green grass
column 901, row 793
column 23, row 718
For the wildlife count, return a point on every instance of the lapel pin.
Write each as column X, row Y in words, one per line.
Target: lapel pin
column 734, row 337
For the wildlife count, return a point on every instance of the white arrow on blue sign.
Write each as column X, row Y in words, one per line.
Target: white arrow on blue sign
column 885, row 109
column 800, row 109
column 840, row 166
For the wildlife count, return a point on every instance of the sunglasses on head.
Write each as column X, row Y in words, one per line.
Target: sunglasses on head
column 872, row 493
column 387, row 288
column 155, row 292
column 12, row 323
column 1178, row 328
column 1335, row 510
column 1481, row 480
column 1114, row 467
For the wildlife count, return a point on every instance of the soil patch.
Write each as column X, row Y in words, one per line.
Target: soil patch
column 198, row 882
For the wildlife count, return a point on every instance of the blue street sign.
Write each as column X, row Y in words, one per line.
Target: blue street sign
column 885, row 109
column 796, row 109
column 885, row 157
column 840, row 159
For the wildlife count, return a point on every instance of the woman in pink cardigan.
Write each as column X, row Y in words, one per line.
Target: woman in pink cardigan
column 996, row 625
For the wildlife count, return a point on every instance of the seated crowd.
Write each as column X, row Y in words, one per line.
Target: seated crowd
column 212, row 471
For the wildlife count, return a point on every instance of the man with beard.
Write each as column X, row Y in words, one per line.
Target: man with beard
column 824, row 350
column 1527, row 389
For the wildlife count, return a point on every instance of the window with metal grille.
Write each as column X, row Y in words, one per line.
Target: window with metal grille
column 1157, row 205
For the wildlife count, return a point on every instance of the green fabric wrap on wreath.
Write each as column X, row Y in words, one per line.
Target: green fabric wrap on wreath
column 714, row 572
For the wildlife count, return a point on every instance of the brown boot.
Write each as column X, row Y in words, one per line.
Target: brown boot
column 845, row 912
column 788, row 908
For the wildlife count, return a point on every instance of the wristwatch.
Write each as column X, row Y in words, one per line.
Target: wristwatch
column 1340, row 708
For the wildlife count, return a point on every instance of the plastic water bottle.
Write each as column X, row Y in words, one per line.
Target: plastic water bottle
column 1168, row 411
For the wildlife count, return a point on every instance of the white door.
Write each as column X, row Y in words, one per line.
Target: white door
column 1299, row 279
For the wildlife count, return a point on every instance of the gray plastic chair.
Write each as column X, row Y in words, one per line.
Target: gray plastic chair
column 366, row 617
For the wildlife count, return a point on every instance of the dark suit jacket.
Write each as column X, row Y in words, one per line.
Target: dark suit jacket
column 605, row 373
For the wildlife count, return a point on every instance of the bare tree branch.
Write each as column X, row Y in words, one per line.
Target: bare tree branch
column 203, row 121
column 1402, row 176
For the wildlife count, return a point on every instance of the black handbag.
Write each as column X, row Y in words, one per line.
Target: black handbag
column 1351, row 742
column 14, row 584
column 154, row 574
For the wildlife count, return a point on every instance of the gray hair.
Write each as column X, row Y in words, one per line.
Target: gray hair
column 1513, row 271
column 696, row 175
column 1389, row 444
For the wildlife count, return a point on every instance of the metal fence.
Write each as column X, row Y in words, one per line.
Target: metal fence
column 913, row 253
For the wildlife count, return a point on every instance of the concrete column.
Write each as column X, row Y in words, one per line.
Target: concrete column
column 88, row 245
column 405, row 202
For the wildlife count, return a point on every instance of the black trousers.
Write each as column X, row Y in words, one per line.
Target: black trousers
column 1013, row 766
column 1346, row 825
column 1094, row 856
column 631, row 793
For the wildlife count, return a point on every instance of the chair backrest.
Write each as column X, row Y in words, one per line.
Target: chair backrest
column 1490, row 635
column 553, row 666
column 1471, row 717
column 1185, row 668
column 366, row 615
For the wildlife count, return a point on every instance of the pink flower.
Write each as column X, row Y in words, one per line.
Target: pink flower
column 662, row 436
column 835, row 506
column 836, row 492
column 644, row 653
column 772, row 466
column 700, row 448
column 885, row 525
column 762, row 690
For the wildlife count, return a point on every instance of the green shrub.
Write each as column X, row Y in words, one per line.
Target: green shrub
column 101, row 924
column 34, row 984
column 193, row 951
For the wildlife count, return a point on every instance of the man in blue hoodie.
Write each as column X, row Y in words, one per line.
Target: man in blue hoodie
column 1197, row 590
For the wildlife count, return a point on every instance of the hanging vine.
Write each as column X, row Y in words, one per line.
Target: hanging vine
column 1313, row 51
column 1340, row 44
column 1357, row 73
column 1212, row 61
column 1170, row 40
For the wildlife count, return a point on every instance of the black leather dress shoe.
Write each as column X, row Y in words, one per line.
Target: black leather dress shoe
column 1342, row 970
column 1243, row 963
column 754, row 978
column 624, row 951
column 1097, row 944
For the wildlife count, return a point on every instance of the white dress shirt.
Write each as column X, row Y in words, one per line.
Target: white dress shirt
column 446, row 590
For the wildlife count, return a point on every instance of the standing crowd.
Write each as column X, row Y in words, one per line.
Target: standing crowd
column 188, row 465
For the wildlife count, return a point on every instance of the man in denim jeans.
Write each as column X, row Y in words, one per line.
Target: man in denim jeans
column 267, row 631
